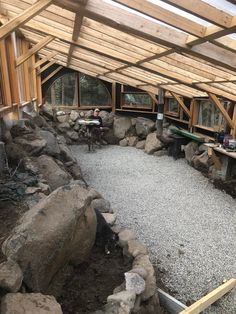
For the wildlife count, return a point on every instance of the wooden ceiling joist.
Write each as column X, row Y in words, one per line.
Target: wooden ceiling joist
column 25, row 16
column 48, row 57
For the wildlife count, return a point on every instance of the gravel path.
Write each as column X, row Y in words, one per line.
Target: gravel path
column 187, row 224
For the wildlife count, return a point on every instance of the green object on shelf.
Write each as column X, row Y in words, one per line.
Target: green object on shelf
column 182, row 132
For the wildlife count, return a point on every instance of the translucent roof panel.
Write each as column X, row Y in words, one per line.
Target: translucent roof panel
column 224, row 5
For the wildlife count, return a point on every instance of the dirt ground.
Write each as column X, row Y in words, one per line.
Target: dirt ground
column 87, row 289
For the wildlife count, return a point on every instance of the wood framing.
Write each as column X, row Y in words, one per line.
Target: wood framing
column 41, row 70
column 6, row 92
column 25, row 16
column 113, row 97
column 181, row 103
column 225, row 114
column 52, row 74
column 34, row 49
column 45, row 59
column 210, row 298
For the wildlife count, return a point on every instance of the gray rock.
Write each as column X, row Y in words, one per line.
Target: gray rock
column 75, row 171
column 45, row 188
column 58, row 230
column 161, row 153
column 29, row 303
column 101, row 204
column 190, row 150
column 52, row 147
column 134, row 248
column 66, row 153
column 107, row 118
column 133, row 121
column 63, row 118
column 126, row 235
column 14, row 152
column 10, row 276
column 71, row 123
column 110, row 218
column 132, row 140
column 144, row 126
column 52, row 173
column 152, row 143
column 116, row 308
column 121, row 127
column 123, row 142
column 76, row 127
column 140, row 144
column 140, row 271
column 125, row 297
column 74, row 115
column 119, row 288
column 47, row 111
column 30, row 165
column 110, row 137
column 63, row 127
column 32, row 189
column 33, row 147
column 72, row 135
column 134, row 282
column 202, row 162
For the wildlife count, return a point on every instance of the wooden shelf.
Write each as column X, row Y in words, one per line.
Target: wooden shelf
column 176, row 119
column 137, row 111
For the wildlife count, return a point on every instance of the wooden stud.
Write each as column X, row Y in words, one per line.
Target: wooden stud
column 34, row 49
column 41, row 70
column 25, row 48
column 181, row 103
column 225, row 114
column 5, row 75
column 52, row 74
column 45, row 59
column 12, row 70
column 210, row 298
column 22, row 18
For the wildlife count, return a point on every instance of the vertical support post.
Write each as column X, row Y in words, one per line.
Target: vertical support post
column 160, row 112
column 233, row 131
column 113, row 97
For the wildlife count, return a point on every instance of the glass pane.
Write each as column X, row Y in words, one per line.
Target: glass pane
column 63, row 92
column 137, row 100
column 173, row 106
column 209, row 114
column 93, row 92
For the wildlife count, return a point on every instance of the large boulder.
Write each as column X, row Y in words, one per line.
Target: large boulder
column 144, row 126
column 29, row 303
column 47, row 111
column 110, row 137
column 74, row 115
column 51, row 172
column 121, row 127
column 66, row 153
column 107, row 118
column 202, row 162
column 52, row 147
column 32, row 144
column 63, row 127
column 152, row 143
column 59, row 229
column 190, row 150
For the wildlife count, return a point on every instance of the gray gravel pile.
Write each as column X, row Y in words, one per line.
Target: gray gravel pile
column 187, row 224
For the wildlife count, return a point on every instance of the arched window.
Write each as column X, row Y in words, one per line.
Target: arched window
column 72, row 89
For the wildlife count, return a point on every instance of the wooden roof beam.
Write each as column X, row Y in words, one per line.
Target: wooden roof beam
column 46, row 67
column 76, row 31
column 52, row 74
column 34, row 49
column 165, row 16
column 204, row 11
column 22, row 18
column 130, row 23
column 48, row 57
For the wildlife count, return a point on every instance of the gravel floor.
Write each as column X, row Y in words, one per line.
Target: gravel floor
column 187, row 224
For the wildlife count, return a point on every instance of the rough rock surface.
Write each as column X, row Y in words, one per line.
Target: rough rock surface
column 141, row 144
column 51, row 172
column 134, row 282
column 190, row 149
column 59, row 229
column 121, row 127
column 123, row 142
column 152, row 144
column 102, row 205
column 29, row 303
column 10, row 276
column 52, row 147
column 144, row 126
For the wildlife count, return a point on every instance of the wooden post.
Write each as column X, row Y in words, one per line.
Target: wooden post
column 113, row 97
column 233, row 131
column 160, row 112
column 7, row 100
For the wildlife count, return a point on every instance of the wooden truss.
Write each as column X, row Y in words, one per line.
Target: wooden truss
column 113, row 41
